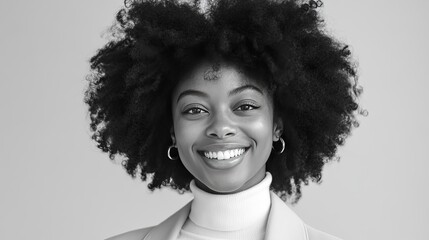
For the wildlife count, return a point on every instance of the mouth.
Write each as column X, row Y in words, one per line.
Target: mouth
column 224, row 155
column 223, row 159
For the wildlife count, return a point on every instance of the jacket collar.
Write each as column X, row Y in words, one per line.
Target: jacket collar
column 282, row 223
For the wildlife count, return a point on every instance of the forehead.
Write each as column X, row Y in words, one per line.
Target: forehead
column 209, row 75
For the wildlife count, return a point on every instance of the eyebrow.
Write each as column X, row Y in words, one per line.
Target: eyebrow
column 232, row 92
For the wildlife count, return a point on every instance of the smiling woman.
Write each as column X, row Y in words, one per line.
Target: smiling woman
column 240, row 104
column 223, row 124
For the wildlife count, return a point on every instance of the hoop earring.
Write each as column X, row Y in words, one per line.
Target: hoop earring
column 283, row 146
column 169, row 153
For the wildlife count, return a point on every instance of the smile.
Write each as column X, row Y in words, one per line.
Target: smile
column 221, row 155
column 221, row 158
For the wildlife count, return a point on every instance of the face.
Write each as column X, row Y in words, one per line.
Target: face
column 223, row 129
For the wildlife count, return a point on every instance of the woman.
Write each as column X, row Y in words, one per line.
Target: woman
column 240, row 104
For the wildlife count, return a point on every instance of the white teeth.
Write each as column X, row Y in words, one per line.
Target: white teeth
column 225, row 154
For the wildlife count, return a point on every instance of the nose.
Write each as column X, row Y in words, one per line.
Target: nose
column 221, row 127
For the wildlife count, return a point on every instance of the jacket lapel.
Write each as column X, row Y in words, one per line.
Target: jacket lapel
column 282, row 223
column 169, row 229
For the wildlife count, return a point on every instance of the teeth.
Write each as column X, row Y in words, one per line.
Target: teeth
column 225, row 154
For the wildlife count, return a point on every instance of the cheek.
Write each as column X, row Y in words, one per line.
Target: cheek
column 186, row 134
column 261, row 129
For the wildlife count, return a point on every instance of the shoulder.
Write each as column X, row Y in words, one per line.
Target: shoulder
column 137, row 234
column 314, row 234
column 164, row 230
column 284, row 222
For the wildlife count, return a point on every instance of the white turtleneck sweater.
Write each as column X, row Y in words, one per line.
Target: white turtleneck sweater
column 241, row 215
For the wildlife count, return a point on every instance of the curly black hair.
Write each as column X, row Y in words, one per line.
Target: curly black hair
column 282, row 44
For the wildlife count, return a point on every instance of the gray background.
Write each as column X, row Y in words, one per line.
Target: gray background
column 55, row 184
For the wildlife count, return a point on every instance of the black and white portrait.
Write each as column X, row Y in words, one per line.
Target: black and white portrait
column 218, row 119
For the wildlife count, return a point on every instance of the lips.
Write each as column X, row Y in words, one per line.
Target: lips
column 223, row 157
column 220, row 155
column 222, row 151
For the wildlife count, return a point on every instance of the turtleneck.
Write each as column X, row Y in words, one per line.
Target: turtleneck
column 241, row 215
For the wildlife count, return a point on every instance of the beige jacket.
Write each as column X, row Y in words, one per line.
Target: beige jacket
column 283, row 224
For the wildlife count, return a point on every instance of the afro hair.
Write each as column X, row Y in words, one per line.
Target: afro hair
column 283, row 44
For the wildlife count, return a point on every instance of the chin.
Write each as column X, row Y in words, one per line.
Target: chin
column 225, row 189
column 225, row 186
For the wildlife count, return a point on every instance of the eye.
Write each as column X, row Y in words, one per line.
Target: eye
column 246, row 107
column 194, row 111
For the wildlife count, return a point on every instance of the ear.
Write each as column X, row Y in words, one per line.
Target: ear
column 277, row 129
column 173, row 137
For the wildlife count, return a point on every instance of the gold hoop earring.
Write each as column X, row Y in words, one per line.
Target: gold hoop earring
column 169, row 153
column 283, row 146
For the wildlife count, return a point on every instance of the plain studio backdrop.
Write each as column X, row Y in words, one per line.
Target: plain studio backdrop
column 55, row 183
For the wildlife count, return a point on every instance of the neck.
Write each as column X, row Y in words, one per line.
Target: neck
column 231, row 212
